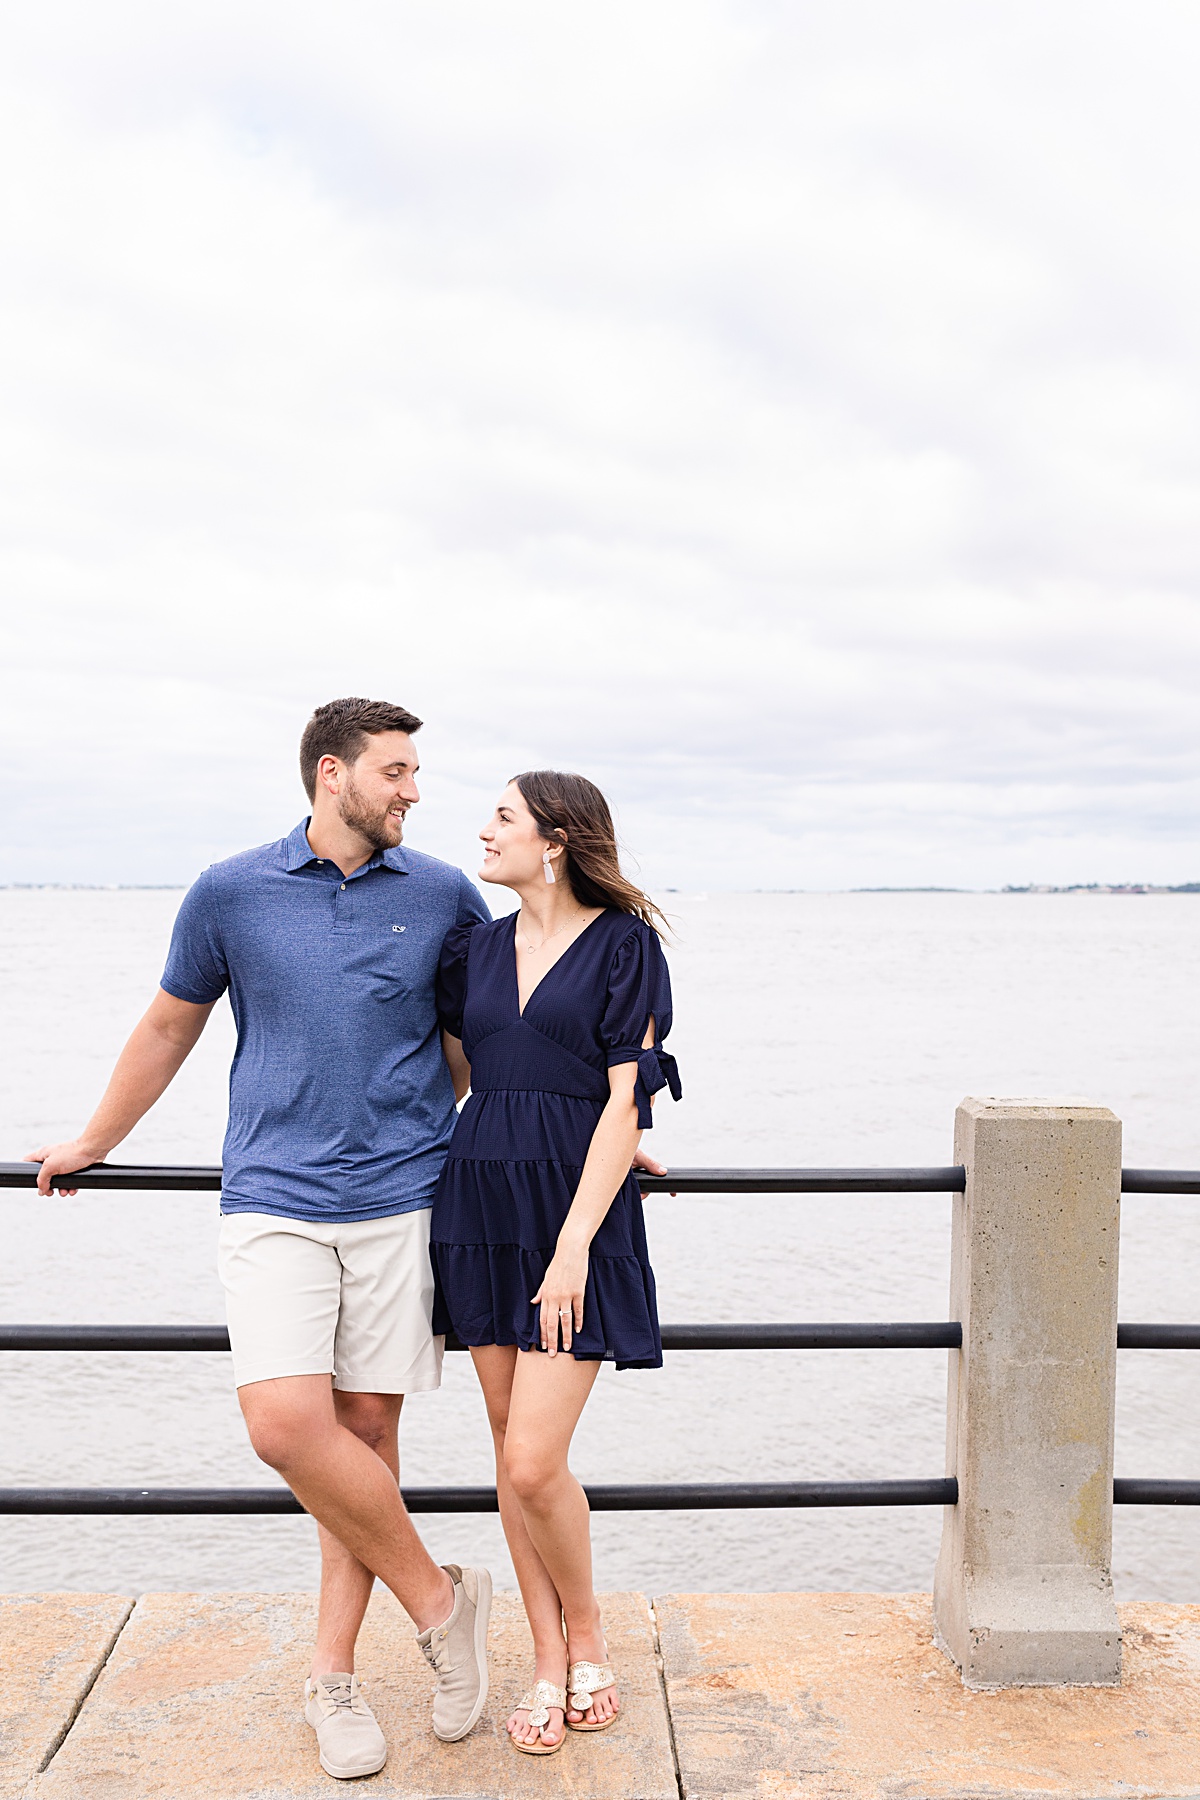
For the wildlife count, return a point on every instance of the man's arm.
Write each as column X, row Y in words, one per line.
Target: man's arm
column 154, row 1055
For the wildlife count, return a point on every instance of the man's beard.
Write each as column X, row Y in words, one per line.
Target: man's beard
column 379, row 828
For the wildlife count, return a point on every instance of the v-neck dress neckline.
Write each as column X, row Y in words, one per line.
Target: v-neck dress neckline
column 522, row 1010
column 539, row 1083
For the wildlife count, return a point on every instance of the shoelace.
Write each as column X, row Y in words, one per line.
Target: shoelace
column 437, row 1657
column 340, row 1695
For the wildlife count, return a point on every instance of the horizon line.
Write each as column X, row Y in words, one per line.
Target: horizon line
column 1032, row 887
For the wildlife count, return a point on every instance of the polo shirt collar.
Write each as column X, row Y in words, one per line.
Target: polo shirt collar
column 298, row 853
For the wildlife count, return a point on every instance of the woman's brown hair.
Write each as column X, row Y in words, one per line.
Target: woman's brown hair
column 570, row 810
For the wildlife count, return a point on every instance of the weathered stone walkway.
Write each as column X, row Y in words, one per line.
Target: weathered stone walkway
column 726, row 1697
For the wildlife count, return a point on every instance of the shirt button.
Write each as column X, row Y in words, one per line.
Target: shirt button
column 343, row 886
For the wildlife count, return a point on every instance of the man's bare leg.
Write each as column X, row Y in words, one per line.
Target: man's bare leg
column 346, row 1583
column 347, row 1487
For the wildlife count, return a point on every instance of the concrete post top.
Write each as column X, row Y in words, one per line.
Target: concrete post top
column 979, row 1106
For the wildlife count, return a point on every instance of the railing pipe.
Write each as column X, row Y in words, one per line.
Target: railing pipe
column 804, row 1181
column 1158, row 1337
column 604, row 1497
column 206, row 1178
column 134, row 1178
column 662, row 1497
column 1160, row 1181
column 142, row 1178
column 1134, row 1492
column 933, row 1335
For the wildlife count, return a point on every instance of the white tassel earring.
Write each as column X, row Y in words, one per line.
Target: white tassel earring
column 547, row 866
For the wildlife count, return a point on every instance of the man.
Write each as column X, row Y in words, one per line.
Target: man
column 341, row 1105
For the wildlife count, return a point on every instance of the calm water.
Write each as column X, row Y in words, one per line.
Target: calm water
column 817, row 1029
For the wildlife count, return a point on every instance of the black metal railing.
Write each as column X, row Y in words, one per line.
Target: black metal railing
column 206, row 1178
column 936, row 1334
column 619, row 1497
column 943, row 1179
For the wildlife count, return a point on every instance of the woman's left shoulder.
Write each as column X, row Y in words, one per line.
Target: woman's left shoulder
column 628, row 933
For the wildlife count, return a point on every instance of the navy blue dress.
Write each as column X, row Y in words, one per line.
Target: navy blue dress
column 539, row 1083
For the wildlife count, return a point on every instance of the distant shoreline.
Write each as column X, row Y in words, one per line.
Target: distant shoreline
column 94, row 887
column 1097, row 887
column 1076, row 887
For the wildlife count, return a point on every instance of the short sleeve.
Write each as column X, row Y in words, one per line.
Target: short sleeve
column 471, row 907
column 452, row 963
column 452, row 978
column 639, row 988
column 196, row 967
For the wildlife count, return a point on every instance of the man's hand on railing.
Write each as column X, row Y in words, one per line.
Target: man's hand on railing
column 62, row 1159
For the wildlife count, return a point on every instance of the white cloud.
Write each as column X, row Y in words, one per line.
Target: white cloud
column 784, row 414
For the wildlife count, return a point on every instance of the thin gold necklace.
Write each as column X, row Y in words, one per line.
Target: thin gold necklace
column 532, row 949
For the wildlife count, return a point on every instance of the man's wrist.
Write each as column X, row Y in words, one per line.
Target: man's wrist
column 92, row 1149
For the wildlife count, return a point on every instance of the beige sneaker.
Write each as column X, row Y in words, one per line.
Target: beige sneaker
column 348, row 1733
column 457, row 1653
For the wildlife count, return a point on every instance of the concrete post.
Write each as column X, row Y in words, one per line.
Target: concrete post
column 1023, row 1590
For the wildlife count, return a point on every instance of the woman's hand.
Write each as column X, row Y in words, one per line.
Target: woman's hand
column 561, row 1296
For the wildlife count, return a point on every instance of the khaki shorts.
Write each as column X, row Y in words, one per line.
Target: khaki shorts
column 354, row 1301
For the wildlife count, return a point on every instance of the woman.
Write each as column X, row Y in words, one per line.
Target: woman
column 555, row 1017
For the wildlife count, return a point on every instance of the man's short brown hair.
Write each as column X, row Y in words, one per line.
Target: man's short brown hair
column 341, row 728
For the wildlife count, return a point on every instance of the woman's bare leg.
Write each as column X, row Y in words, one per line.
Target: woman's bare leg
column 548, row 1395
column 494, row 1365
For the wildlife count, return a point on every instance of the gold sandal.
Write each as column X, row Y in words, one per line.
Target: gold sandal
column 585, row 1679
column 541, row 1697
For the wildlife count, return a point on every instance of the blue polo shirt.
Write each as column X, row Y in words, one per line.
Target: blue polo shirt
column 340, row 1101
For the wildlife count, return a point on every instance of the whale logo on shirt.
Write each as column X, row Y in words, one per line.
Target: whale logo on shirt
column 399, row 927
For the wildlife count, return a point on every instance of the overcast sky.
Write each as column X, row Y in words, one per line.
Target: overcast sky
column 784, row 413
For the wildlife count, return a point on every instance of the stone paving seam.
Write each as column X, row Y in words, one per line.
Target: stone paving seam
column 98, row 1670
column 661, row 1666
